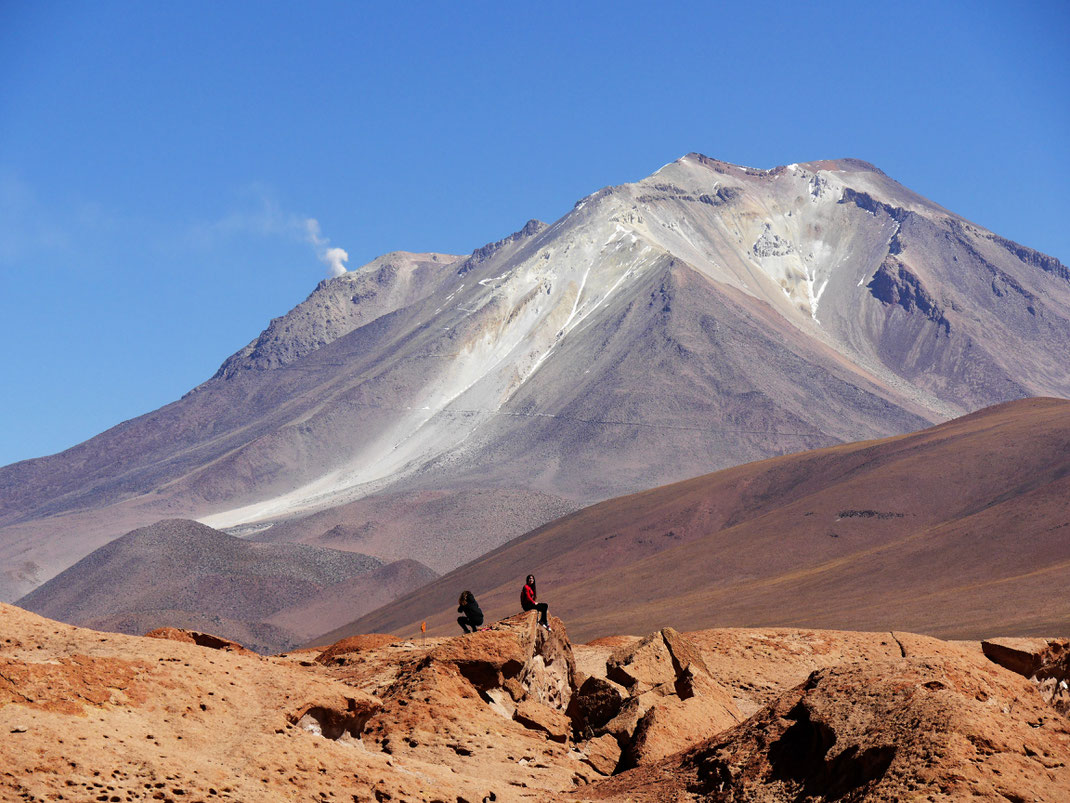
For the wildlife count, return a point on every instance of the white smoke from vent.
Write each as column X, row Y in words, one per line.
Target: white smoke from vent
column 333, row 258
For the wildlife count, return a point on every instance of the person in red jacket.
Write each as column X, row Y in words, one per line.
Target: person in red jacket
column 529, row 601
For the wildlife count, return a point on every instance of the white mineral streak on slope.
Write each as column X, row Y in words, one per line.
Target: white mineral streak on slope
column 719, row 240
column 525, row 313
column 818, row 223
column 795, row 222
column 525, row 308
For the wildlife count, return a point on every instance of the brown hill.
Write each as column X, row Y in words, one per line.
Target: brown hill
column 959, row 530
column 183, row 574
column 515, row 713
column 336, row 604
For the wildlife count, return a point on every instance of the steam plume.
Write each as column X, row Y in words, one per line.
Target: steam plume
column 333, row 258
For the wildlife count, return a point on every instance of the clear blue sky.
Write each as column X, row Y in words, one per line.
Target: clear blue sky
column 158, row 159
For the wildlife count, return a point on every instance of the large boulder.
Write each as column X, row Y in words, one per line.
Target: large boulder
column 1046, row 662
column 685, row 655
column 673, row 724
column 671, row 703
column 539, row 717
column 642, row 666
column 594, row 704
column 623, row 725
column 486, row 658
column 602, row 753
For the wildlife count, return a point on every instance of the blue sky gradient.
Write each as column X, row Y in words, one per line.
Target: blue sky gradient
column 159, row 161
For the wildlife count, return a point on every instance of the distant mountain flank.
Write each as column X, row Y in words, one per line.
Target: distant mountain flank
column 179, row 573
column 703, row 317
column 955, row 530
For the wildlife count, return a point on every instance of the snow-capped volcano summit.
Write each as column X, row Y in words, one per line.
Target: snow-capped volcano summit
column 702, row 317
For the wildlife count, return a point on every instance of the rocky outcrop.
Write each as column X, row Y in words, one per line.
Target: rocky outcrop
column 657, row 698
column 939, row 726
column 864, row 200
column 338, row 651
column 491, row 702
column 518, row 656
column 512, row 669
column 771, row 244
column 1027, row 255
column 723, row 196
column 200, row 639
column 895, row 284
column 482, row 254
column 1045, row 662
column 86, row 715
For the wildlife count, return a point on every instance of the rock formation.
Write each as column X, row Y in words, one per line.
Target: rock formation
column 509, row 714
column 1045, row 662
column 936, row 723
column 669, row 699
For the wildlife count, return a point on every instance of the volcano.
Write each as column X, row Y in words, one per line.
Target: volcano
column 433, row 406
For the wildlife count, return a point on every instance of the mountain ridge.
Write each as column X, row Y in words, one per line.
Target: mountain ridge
column 836, row 304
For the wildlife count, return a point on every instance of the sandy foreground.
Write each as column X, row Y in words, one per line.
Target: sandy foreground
column 518, row 713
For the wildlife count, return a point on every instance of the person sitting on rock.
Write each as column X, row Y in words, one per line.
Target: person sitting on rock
column 529, row 601
column 472, row 616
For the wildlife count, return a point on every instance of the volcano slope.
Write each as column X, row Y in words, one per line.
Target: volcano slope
column 961, row 530
column 705, row 316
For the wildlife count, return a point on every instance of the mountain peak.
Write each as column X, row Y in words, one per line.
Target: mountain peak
column 846, row 164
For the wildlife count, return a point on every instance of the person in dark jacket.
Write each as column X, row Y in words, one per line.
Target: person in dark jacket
column 471, row 615
column 529, row 601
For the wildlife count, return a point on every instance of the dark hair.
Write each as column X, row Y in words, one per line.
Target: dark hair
column 465, row 596
column 532, row 583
